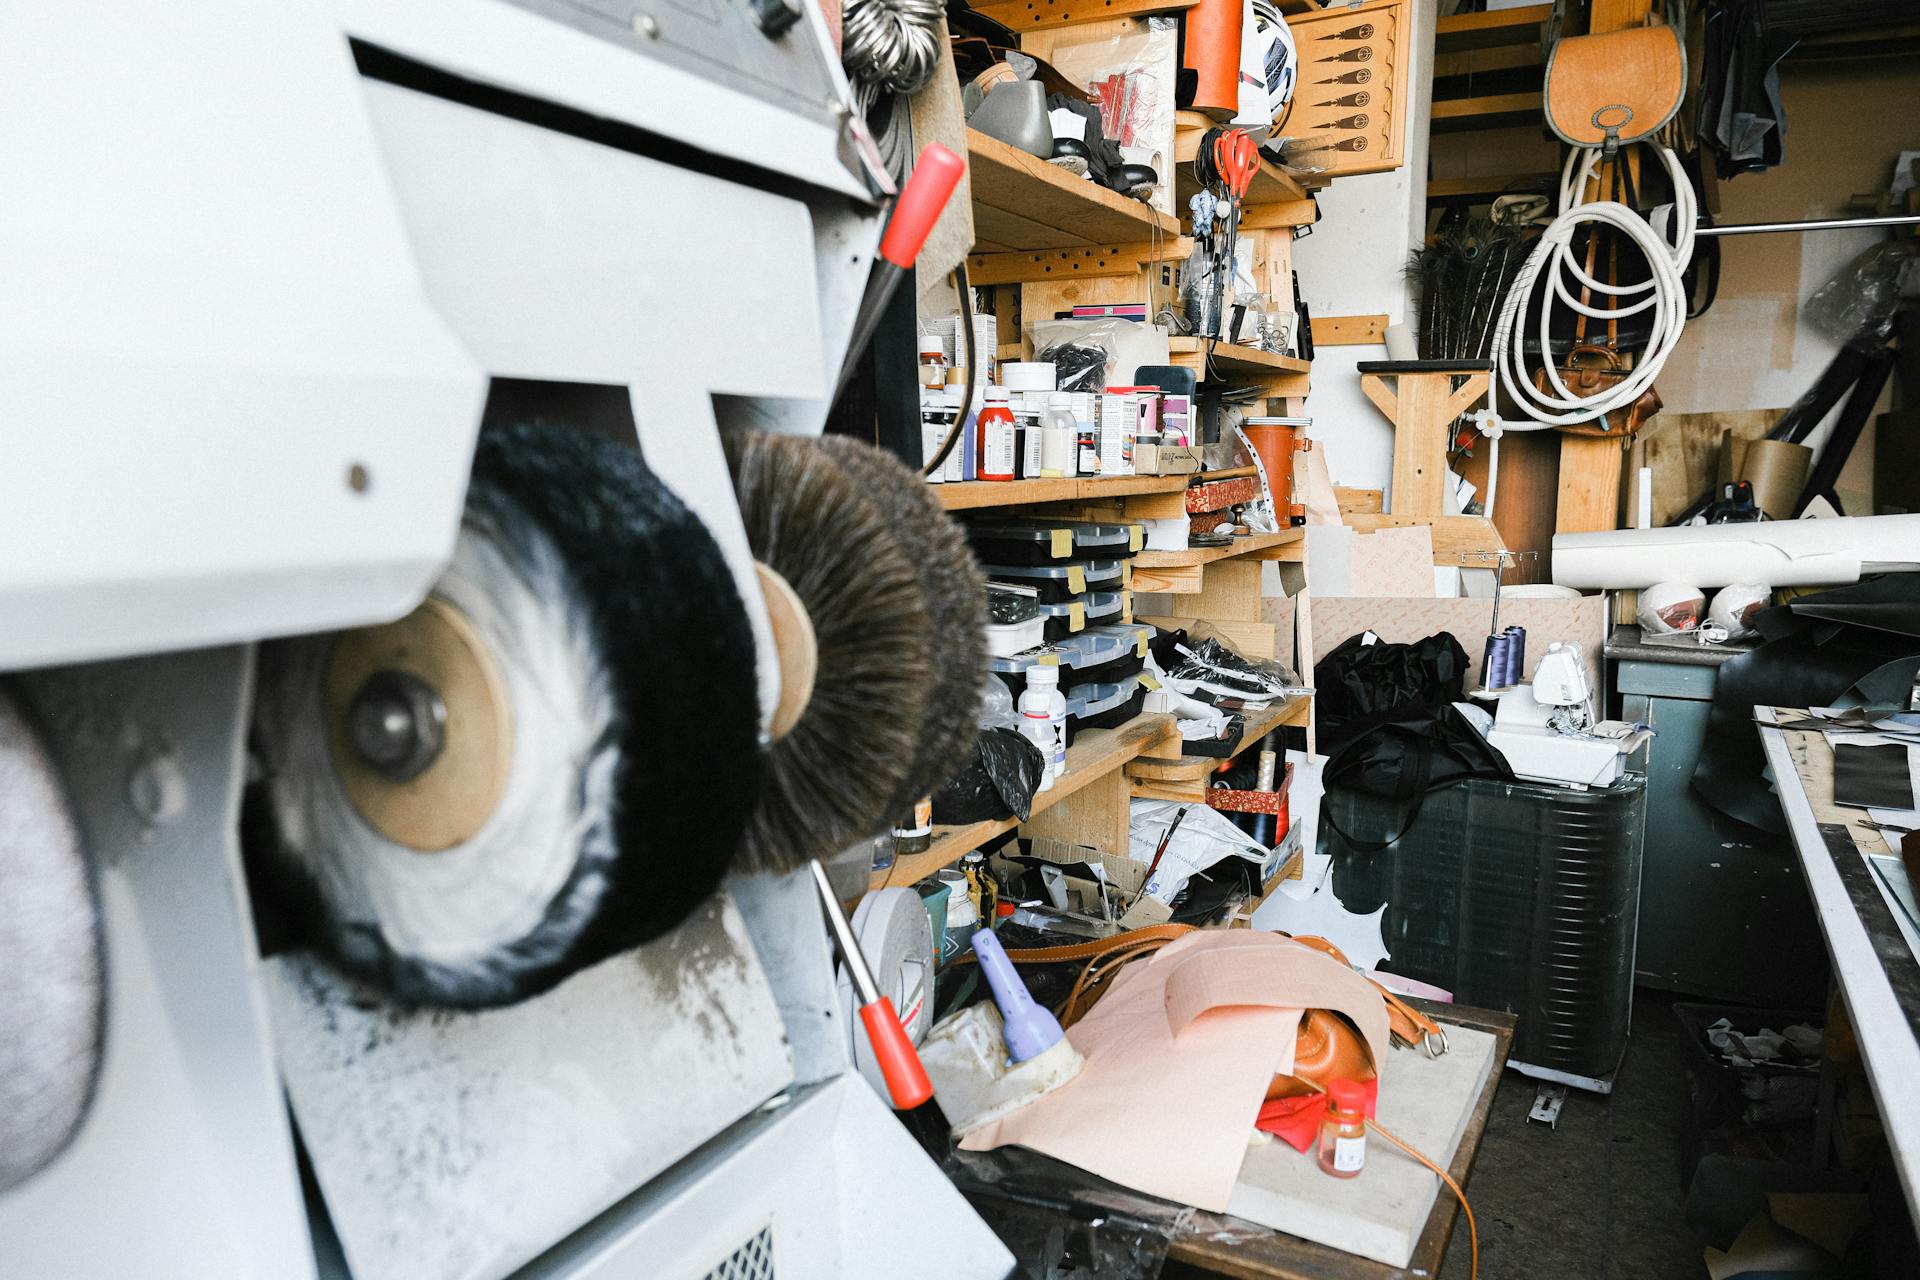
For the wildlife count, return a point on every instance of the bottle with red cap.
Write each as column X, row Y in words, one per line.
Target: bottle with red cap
column 1343, row 1130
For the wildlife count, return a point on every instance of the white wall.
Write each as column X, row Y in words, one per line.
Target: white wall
column 1355, row 263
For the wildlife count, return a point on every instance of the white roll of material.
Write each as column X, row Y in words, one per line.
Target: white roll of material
column 1775, row 553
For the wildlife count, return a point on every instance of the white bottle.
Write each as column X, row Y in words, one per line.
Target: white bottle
column 1043, row 719
column 1060, row 437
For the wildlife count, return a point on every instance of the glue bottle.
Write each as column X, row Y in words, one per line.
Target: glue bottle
column 1043, row 719
column 994, row 439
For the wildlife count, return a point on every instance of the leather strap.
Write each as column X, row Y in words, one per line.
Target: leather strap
column 1089, row 950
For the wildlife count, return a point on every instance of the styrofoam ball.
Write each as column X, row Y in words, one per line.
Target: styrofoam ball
column 1666, row 607
column 1733, row 607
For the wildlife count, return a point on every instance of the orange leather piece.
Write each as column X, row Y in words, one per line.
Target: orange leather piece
column 1213, row 54
column 1327, row 1049
column 1631, row 81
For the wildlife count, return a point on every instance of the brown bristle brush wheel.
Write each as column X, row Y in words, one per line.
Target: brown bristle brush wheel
column 835, row 776
column 956, row 594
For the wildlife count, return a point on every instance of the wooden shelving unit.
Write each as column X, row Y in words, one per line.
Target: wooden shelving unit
column 1249, row 545
column 1095, row 754
column 972, row 495
column 1022, row 203
column 1271, row 184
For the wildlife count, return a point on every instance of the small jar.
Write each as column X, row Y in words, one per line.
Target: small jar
column 933, row 361
column 1343, row 1130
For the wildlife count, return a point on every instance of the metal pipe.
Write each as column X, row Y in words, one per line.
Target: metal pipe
column 1813, row 224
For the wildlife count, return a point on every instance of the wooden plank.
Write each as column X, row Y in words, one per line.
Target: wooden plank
column 1040, row 15
column 970, row 495
column 1231, row 593
column 1349, row 331
column 1234, row 356
column 1095, row 817
column 1493, row 111
column 1484, row 188
column 1186, row 580
column 1486, row 30
column 1457, row 540
column 1271, row 184
column 1359, row 500
column 1207, row 555
column 1095, row 754
column 1279, row 213
column 1420, row 445
column 1021, row 202
column 1591, row 470
column 1230, row 1247
column 1526, row 497
column 1050, row 264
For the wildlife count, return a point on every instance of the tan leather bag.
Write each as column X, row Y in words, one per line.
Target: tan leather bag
column 1589, row 369
column 1615, row 88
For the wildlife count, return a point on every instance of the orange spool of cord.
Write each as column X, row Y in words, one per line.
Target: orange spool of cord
column 1213, row 55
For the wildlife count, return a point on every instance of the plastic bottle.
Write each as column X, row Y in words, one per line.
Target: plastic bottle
column 933, row 361
column 1343, row 1130
column 1043, row 719
column 1060, row 437
column 995, row 437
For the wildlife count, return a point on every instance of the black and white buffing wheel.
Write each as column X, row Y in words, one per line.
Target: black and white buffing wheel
column 52, row 1004
column 519, row 778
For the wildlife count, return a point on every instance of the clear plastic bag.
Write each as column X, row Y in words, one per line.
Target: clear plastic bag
column 1213, row 673
column 1128, row 344
column 1863, row 298
column 1131, row 74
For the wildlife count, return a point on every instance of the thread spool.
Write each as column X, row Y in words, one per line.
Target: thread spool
column 1516, row 654
column 511, row 782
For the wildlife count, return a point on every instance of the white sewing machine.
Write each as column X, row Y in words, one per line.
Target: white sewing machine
column 1547, row 730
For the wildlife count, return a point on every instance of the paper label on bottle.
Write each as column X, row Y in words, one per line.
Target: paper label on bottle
column 1349, row 1154
column 997, row 457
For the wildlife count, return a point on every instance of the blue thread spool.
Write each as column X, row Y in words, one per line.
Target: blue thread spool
column 1516, row 654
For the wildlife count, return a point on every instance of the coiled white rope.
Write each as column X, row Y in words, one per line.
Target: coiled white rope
column 1663, row 293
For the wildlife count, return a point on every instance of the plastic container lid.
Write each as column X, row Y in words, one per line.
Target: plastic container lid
column 1042, row 677
column 1029, row 375
column 1105, row 570
column 1348, row 1095
column 1134, row 635
column 931, row 345
column 1073, row 576
column 1061, row 400
column 1101, row 603
column 996, row 393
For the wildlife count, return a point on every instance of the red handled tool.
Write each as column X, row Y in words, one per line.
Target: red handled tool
column 899, row 1061
column 935, row 174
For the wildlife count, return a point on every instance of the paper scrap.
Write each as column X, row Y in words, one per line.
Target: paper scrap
column 1201, row 1043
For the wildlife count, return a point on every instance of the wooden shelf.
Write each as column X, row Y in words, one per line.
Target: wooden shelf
column 1022, row 203
column 1093, row 755
column 969, row 495
column 1234, row 357
column 1496, row 111
column 1484, row 189
column 1271, row 184
column 1207, row 555
column 1487, row 30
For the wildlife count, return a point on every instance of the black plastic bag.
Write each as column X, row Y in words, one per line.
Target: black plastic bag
column 998, row 782
column 1360, row 680
column 1394, row 764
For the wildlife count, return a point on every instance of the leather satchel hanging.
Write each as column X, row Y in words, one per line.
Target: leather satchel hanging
column 1589, row 369
column 1616, row 87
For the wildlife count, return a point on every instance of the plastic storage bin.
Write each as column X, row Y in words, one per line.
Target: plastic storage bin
column 1100, row 654
column 1041, row 542
column 1512, row 895
column 1099, row 705
column 1014, row 621
column 1057, row 582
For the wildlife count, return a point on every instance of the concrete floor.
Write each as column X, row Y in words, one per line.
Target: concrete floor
column 1598, row 1198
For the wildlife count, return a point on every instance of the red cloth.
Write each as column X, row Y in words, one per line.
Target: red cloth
column 1296, row 1121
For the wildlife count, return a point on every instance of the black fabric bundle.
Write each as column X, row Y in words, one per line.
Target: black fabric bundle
column 1364, row 682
